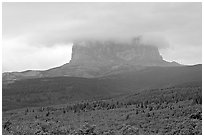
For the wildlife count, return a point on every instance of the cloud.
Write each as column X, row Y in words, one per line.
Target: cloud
column 188, row 56
column 48, row 25
column 19, row 57
column 156, row 40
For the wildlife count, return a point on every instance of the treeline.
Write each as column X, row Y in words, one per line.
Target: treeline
column 151, row 99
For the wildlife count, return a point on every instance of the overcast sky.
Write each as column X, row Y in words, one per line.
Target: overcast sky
column 40, row 35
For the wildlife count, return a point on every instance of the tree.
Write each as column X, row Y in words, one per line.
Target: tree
column 197, row 99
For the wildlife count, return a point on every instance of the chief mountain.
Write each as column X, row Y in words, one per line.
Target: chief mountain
column 101, row 58
column 98, row 69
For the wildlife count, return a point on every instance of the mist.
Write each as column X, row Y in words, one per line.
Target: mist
column 173, row 26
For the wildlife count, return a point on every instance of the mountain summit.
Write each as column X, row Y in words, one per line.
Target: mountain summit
column 110, row 52
column 101, row 58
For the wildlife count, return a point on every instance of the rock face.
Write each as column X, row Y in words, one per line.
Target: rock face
column 109, row 52
column 101, row 58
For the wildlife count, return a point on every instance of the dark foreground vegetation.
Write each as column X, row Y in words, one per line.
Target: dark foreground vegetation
column 174, row 111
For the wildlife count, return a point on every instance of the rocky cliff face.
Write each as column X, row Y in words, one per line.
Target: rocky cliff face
column 109, row 52
column 101, row 58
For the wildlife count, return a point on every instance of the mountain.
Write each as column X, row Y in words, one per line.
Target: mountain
column 98, row 69
column 118, row 83
column 100, row 58
column 59, row 90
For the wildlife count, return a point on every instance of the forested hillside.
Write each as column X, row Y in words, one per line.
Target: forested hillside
column 171, row 110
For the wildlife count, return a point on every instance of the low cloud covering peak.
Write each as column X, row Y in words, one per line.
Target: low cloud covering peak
column 164, row 25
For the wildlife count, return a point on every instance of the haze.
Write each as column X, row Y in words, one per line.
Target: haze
column 39, row 36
